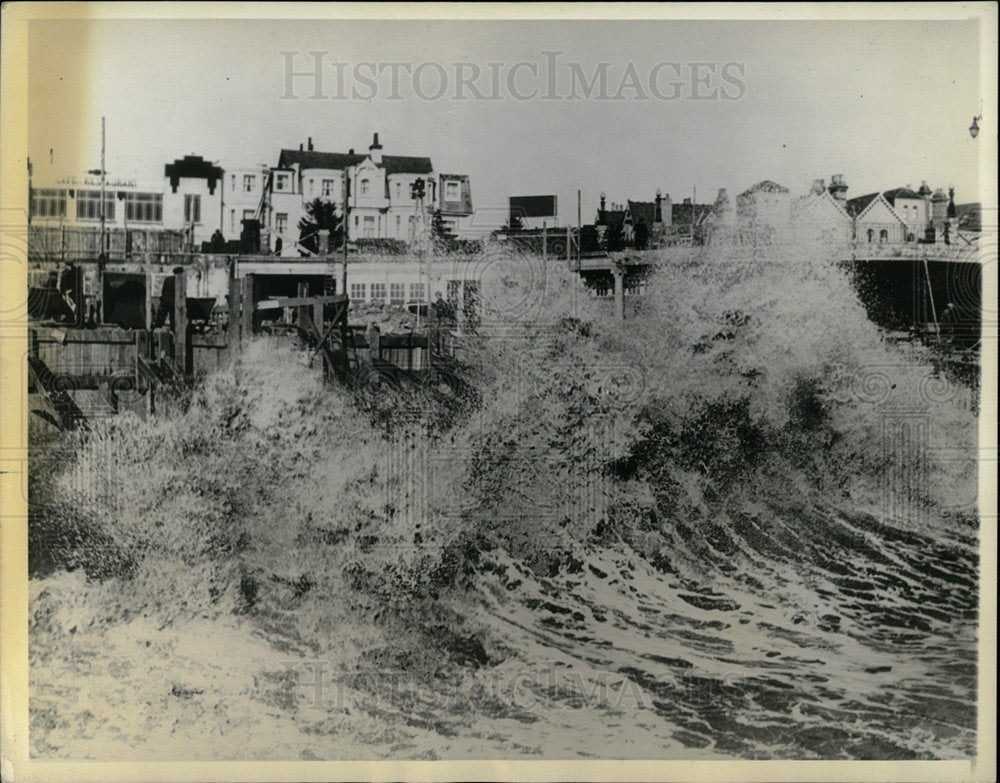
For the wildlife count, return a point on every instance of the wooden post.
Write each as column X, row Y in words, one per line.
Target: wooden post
column 247, row 305
column 569, row 244
column 619, row 294
column 149, row 292
column 302, row 291
column 180, row 322
column 545, row 243
column 233, row 328
column 317, row 316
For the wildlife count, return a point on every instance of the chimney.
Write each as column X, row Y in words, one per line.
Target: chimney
column 310, row 144
column 687, row 200
column 300, row 148
column 375, row 151
column 350, row 151
column 952, row 211
column 838, row 188
column 602, row 201
column 818, row 187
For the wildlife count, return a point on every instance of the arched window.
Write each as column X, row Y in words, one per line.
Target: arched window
column 883, row 236
column 871, row 234
column 365, row 184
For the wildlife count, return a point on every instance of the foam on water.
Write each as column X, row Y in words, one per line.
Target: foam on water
column 737, row 524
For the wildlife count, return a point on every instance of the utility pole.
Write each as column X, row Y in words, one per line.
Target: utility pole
column 103, row 173
column 343, row 270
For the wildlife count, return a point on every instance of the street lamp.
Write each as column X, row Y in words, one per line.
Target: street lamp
column 974, row 128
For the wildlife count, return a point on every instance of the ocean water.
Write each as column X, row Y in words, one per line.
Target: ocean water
column 736, row 525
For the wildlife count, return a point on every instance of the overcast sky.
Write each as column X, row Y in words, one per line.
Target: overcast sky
column 687, row 104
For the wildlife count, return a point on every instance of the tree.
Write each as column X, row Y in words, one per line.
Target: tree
column 320, row 215
column 440, row 228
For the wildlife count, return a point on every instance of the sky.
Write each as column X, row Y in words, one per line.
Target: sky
column 689, row 107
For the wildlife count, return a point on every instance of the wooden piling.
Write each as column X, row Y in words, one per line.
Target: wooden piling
column 233, row 327
column 619, row 294
column 180, row 322
column 247, row 304
column 302, row 312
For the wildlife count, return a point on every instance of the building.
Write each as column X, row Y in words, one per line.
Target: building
column 766, row 203
column 625, row 218
column 187, row 200
column 378, row 191
column 820, row 214
column 242, row 198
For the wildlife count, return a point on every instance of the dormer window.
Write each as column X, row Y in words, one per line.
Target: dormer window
column 282, row 182
column 451, row 191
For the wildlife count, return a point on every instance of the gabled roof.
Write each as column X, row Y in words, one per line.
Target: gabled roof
column 857, row 205
column 813, row 200
column 892, row 195
column 338, row 161
column 642, row 212
column 764, row 186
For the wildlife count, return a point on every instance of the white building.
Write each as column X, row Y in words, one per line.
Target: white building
column 187, row 199
column 378, row 188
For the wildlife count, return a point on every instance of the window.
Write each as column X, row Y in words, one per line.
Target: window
column 378, row 292
column 883, row 236
column 871, row 234
column 281, row 222
column 416, row 292
column 328, row 187
column 248, row 214
column 451, row 191
column 358, row 291
column 192, row 208
column 232, row 222
column 48, row 202
column 399, row 223
column 365, row 187
column 397, row 293
column 281, row 182
column 249, row 183
column 369, row 226
column 232, row 184
column 88, row 205
column 144, row 207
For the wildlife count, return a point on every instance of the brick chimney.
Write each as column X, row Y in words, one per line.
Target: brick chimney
column 818, row 187
column 309, row 144
column 375, row 151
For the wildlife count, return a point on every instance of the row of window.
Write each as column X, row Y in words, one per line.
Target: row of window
column 397, row 292
column 139, row 207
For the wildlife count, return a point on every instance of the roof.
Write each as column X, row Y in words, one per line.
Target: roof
column 855, row 206
column 892, row 195
column 642, row 212
column 764, row 186
column 338, row 161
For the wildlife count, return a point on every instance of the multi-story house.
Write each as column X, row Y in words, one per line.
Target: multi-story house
column 242, row 198
column 377, row 188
